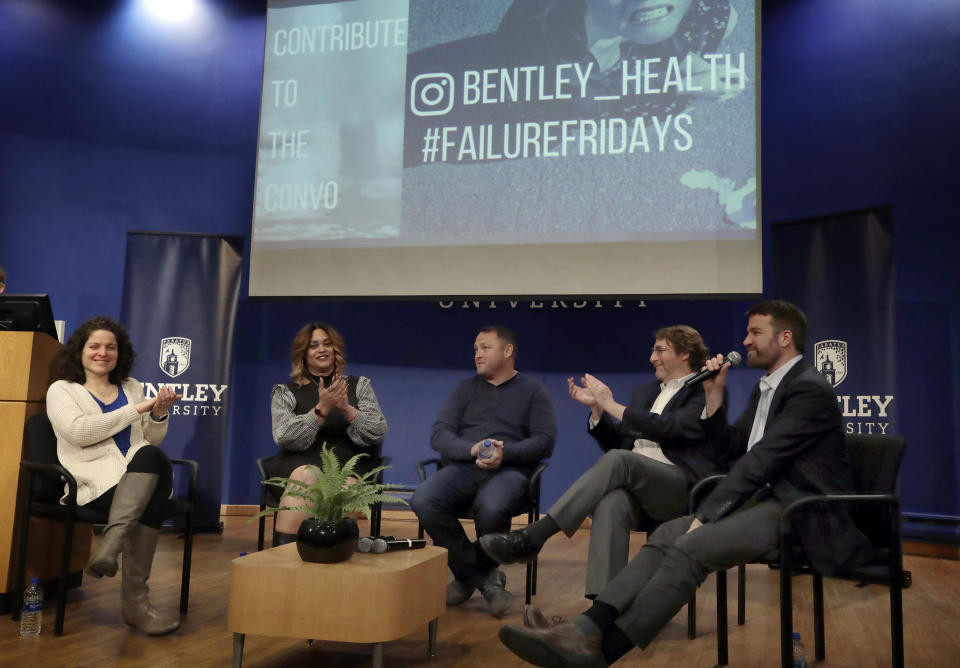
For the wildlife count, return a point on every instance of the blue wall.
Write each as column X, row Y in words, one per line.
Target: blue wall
column 111, row 124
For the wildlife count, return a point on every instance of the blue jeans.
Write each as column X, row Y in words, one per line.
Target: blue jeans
column 458, row 490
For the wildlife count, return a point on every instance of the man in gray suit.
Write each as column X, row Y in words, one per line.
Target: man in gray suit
column 655, row 451
column 790, row 445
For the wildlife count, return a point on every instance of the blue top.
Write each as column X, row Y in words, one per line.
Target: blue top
column 518, row 412
column 122, row 437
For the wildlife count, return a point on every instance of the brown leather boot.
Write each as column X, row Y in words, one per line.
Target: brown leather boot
column 129, row 501
column 137, row 563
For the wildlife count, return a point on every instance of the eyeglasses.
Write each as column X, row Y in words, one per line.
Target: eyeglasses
column 659, row 350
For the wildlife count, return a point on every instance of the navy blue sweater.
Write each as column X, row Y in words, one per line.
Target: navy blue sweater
column 518, row 412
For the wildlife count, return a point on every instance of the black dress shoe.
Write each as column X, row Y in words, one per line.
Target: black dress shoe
column 458, row 592
column 509, row 548
column 495, row 592
column 561, row 646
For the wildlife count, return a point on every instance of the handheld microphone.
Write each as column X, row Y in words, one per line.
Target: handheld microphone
column 733, row 357
column 365, row 544
column 381, row 545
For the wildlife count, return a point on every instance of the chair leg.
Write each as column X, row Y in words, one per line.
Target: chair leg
column 17, row 590
column 896, row 588
column 786, row 612
column 692, row 617
column 419, row 530
column 187, row 563
column 722, row 654
column 533, row 515
column 375, row 517
column 530, row 585
column 260, row 531
column 64, row 576
column 896, row 625
column 818, row 639
column 742, row 594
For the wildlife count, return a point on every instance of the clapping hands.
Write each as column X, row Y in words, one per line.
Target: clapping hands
column 595, row 394
column 332, row 396
column 164, row 399
column 601, row 393
column 580, row 393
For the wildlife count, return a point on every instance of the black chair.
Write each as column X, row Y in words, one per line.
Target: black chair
column 874, row 466
column 533, row 514
column 44, row 479
column 270, row 498
column 697, row 494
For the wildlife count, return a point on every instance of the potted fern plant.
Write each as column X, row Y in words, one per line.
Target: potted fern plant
column 329, row 535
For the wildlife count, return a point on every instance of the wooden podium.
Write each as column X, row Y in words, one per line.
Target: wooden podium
column 26, row 360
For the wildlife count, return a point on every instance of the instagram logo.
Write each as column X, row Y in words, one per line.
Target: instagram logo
column 431, row 94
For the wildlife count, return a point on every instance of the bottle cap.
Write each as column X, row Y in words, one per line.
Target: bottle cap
column 796, row 635
column 34, row 581
column 487, row 443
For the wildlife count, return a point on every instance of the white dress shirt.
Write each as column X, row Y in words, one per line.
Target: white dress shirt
column 645, row 446
column 768, row 385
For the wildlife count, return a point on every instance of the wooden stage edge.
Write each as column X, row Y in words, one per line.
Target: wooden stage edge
column 913, row 548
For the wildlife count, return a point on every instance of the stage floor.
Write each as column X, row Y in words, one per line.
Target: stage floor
column 857, row 620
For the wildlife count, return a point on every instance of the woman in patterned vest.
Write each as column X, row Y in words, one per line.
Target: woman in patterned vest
column 320, row 405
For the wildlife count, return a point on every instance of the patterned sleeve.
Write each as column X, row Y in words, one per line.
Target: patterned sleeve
column 369, row 427
column 291, row 431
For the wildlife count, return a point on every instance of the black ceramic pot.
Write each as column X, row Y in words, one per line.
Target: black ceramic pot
column 327, row 542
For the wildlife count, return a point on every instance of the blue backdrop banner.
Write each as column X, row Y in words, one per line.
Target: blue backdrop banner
column 839, row 269
column 179, row 305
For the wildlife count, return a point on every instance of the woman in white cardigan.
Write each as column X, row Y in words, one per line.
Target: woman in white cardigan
column 107, row 434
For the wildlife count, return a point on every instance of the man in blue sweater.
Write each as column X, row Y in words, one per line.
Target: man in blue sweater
column 514, row 412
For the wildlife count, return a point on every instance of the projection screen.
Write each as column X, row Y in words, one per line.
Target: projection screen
column 508, row 147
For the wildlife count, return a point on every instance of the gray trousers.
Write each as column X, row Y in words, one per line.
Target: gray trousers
column 623, row 491
column 662, row 578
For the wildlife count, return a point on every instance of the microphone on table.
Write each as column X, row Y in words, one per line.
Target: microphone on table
column 733, row 357
column 381, row 545
column 365, row 544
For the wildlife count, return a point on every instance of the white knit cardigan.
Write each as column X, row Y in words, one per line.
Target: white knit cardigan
column 85, row 444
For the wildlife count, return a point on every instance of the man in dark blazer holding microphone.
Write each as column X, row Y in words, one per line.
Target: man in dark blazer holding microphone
column 791, row 445
column 656, row 450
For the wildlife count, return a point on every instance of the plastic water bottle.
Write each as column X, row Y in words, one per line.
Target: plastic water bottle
column 32, row 615
column 486, row 450
column 799, row 652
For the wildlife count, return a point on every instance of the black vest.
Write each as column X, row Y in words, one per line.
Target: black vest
column 333, row 431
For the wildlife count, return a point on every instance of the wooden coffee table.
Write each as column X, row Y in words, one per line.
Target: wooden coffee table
column 370, row 598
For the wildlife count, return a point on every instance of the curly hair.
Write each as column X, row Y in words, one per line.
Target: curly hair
column 686, row 339
column 70, row 362
column 301, row 343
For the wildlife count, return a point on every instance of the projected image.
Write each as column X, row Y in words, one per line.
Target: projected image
column 453, row 122
column 331, row 123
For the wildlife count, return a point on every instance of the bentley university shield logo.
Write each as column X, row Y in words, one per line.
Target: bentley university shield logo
column 831, row 360
column 174, row 355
